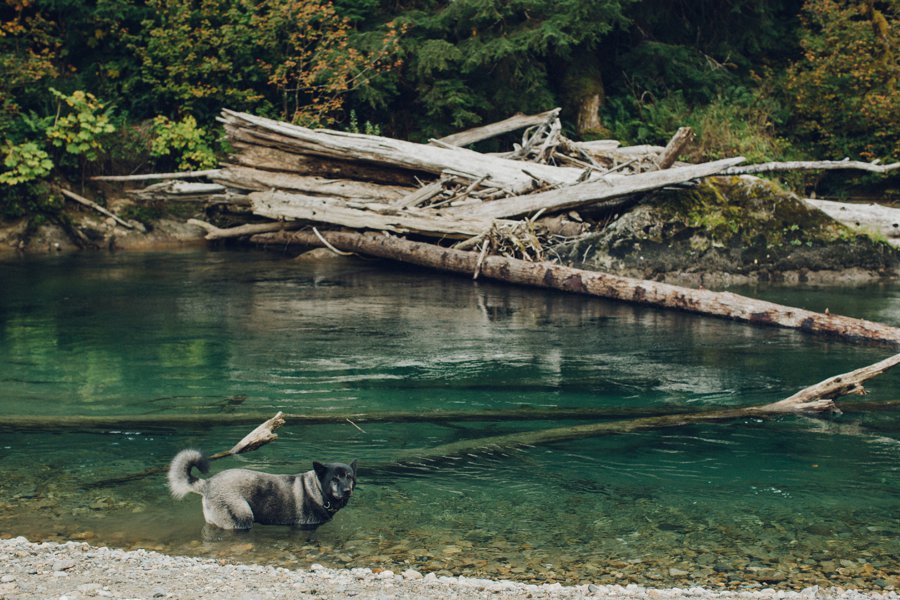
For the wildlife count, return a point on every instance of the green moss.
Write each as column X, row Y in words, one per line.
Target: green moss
column 733, row 212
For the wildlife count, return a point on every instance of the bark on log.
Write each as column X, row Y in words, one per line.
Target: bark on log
column 812, row 165
column 591, row 192
column 514, row 123
column 548, row 275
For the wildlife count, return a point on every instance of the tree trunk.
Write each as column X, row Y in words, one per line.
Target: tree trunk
column 549, row 275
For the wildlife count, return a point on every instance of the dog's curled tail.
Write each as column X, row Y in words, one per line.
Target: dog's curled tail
column 181, row 481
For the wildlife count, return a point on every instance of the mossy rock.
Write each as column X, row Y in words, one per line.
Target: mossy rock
column 733, row 229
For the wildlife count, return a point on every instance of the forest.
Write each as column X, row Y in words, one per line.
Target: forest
column 111, row 87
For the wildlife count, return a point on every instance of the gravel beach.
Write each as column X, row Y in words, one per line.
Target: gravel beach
column 77, row 570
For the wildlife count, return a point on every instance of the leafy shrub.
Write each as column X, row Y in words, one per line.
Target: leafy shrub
column 25, row 162
column 183, row 141
column 80, row 131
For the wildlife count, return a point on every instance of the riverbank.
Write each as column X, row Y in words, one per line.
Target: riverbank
column 77, row 570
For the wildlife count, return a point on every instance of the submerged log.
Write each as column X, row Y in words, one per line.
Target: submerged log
column 818, row 398
column 549, row 275
column 257, row 438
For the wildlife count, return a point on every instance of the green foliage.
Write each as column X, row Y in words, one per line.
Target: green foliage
column 24, row 163
column 81, row 130
column 845, row 85
column 368, row 127
column 186, row 143
column 739, row 123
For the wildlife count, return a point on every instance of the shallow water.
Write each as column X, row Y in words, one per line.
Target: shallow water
column 788, row 502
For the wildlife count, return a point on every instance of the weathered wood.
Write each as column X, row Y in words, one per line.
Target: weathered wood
column 682, row 138
column 58, row 423
column 813, row 165
column 514, row 123
column 157, row 176
column 368, row 215
column 275, row 159
column 257, row 438
column 325, row 143
column 591, row 192
column 91, row 204
column 864, row 218
column 816, row 397
column 217, row 233
column 548, row 275
column 246, row 178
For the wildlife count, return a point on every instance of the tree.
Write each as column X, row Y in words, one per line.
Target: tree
column 845, row 85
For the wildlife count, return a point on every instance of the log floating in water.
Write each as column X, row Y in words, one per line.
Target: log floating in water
column 549, row 275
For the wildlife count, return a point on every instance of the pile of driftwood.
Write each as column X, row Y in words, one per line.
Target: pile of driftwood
column 448, row 207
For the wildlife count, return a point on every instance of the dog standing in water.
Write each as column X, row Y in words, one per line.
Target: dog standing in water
column 237, row 498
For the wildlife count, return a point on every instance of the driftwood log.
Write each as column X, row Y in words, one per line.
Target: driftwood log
column 548, row 275
column 813, row 165
column 864, row 218
column 257, row 438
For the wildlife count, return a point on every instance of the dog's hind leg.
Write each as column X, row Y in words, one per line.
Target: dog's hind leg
column 235, row 514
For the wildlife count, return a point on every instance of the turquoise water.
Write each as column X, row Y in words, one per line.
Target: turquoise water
column 788, row 502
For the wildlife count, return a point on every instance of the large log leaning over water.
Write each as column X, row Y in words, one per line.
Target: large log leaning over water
column 549, row 275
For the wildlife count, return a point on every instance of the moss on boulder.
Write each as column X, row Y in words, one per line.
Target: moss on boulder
column 731, row 229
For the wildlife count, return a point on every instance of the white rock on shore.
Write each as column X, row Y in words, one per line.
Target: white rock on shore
column 76, row 570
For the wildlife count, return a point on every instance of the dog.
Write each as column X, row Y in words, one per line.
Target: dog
column 237, row 498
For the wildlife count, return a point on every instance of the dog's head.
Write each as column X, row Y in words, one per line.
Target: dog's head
column 337, row 481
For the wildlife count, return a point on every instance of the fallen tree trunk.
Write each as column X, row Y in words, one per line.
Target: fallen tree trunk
column 812, row 165
column 591, row 192
column 514, row 123
column 246, row 178
column 57, row 423
column 818, row 398
column 864, row 218
column 549, row 275
column 157, row 176
column 679, row 141
column 517, row 176
column 281, row 205
column 218, row 233
column 91, row 204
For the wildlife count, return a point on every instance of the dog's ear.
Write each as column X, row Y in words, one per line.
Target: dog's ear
column 353, row 468
column 320, row 469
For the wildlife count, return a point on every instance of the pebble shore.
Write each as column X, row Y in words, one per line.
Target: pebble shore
column 76, row 570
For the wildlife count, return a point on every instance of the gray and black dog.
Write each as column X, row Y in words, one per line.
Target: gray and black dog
column 237, row 498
